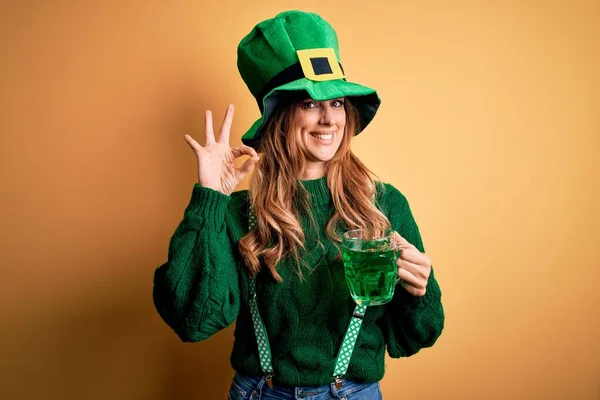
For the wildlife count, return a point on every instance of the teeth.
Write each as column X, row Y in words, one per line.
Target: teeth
column 327, row 136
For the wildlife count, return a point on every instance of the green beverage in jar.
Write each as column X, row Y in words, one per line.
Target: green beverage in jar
column 370, row 265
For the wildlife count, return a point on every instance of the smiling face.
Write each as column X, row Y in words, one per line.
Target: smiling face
column 319, row 129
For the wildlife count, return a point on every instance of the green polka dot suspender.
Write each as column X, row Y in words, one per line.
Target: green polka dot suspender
column 262, row 341
column 345, row 352
column 264, row 349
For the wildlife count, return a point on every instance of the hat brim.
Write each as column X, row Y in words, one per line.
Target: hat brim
column 365, row 99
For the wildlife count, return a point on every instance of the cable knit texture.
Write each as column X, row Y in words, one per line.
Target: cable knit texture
column 203, row 288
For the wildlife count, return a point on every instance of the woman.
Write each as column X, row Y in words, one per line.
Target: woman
column 269, row 258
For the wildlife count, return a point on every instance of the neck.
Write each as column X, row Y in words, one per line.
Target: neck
column 314, row 170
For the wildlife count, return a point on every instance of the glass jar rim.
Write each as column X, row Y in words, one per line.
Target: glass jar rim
column 387, row 233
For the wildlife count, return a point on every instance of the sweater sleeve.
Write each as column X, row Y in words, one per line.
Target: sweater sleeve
column 410, row 323
column 196, row 291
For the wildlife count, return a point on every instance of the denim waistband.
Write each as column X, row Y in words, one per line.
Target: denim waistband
column 252, row 383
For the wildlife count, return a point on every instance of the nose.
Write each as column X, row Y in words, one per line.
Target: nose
column 327, row 116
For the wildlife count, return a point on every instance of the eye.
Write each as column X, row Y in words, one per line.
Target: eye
column 309, row 104
column 337, row 103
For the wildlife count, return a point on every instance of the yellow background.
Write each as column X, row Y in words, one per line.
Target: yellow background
column 489, row 125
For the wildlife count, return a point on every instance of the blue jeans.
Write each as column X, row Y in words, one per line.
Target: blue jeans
column 255, row 388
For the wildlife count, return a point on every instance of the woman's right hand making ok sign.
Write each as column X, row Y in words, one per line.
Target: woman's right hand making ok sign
column 216, row 168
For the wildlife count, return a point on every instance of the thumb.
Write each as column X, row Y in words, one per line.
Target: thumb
column 400, row 241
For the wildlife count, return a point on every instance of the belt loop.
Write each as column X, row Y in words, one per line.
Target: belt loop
column 257, row 391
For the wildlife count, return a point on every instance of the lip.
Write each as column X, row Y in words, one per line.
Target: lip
column 323, row 142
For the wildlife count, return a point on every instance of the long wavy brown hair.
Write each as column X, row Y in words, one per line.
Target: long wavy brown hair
column 278, row 197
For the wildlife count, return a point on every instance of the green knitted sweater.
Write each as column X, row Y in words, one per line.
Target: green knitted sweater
column 203, row 288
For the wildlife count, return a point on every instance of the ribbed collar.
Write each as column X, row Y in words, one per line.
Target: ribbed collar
column 318, row 190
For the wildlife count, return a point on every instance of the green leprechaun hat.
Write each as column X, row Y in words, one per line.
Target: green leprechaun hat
column 297, row 51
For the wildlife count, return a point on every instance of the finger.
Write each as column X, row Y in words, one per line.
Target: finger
column 413, row 254
column 193, row 144
column 412, row 284
column 415, row 291
column 226, row 127
column 416, row 270
column 208, row 128
column 400, row 241
column 244, row 150
column 408, row 278
column 247, row 166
